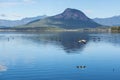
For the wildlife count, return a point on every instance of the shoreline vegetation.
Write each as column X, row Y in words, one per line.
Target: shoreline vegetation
column 115, row 29
column 54, row 29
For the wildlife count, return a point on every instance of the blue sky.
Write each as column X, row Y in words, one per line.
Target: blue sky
column 17, row 9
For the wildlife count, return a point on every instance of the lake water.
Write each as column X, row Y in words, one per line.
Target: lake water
column 57, row 56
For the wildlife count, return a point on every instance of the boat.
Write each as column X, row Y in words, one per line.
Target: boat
column 82, row 41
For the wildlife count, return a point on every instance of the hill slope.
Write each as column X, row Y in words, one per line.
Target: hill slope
column 12, row 23
column 69, row 19
column 112, row 21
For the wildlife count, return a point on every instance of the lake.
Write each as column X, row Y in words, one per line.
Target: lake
column 59, row 56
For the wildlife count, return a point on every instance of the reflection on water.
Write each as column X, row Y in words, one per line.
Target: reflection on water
column 68, row 41
column 3, row 68
column 60, row 56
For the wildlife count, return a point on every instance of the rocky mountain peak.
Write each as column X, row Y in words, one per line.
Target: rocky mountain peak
column 72, row 14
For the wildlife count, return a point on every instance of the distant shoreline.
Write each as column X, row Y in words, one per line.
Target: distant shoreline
column 55, row 30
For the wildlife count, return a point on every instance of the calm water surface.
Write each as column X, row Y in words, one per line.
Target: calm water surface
column 55, row 56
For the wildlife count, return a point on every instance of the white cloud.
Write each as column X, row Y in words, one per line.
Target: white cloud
column 88, row 11
column 16, row 15
column 29, row 1
column 7, row 4
column 16, row 3
column 11, row 16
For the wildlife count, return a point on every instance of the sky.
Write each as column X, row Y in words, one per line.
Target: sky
column 18, row 9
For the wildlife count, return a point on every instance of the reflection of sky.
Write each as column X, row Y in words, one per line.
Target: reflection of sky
column 30, row 56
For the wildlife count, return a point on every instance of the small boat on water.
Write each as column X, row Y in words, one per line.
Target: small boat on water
column 82, row 41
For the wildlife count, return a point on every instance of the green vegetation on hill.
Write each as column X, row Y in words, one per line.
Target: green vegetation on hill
column 69, row 19
column 41, row 23
column 66, row 24
column 115, row 29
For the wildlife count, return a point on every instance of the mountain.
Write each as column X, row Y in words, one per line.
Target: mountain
column 112, row 21
column 69, row 19
column 12, row 23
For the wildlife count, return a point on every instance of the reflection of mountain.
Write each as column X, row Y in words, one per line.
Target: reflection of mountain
column 68, row 40
column 70, row 43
